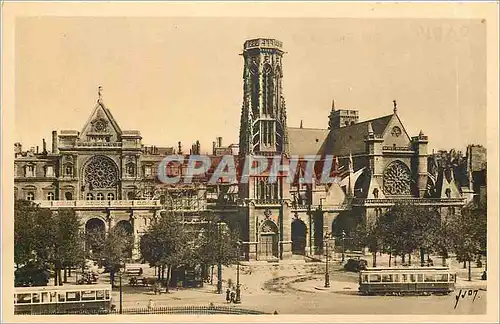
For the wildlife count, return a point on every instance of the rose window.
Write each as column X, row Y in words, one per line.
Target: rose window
column 101, row 172
column 397, row 179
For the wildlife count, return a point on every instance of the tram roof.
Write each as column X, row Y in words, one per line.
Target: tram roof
column 405, row 269
column 62, row 288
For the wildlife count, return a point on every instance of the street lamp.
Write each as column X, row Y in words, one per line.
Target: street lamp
column 327, row 275
column 343, row 246
column 238, row 292
column 121, row 291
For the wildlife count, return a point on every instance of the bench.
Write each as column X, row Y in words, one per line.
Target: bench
column 133, row 272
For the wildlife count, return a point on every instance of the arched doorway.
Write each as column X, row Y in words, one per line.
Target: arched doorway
column 95, row 234
column 125, row 228
column 268, row 241
column 299, row 234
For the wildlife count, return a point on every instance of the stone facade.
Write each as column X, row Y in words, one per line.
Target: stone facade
column 109, row 177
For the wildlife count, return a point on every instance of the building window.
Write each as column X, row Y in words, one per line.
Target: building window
column 100, row 196
column 50, row 196
column 68, row 195
column 130, row 170
column 30, row 196
column 90, row 196
column 30, row 171
column 68, row 170
column 448, row 193
column 111, row 196
column 147, row 171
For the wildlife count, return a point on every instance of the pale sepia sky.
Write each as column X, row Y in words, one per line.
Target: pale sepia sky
column 180, row 79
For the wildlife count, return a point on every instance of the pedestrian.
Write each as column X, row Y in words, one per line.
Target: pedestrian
column 232, row 296
column 151, row 303
column 228, row 295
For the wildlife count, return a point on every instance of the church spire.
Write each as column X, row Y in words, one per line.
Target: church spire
column 395, row 106
column 333, row 104
column 301, row 124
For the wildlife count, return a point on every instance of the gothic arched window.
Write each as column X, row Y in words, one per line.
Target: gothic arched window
column 68, row 170
column 100, row 196
column 111, row 196
column 101, row 172
column 30, row 196
column 130, row 169
column 254, row 87
column 268, row 90
column 50, row 196
column 397, row 179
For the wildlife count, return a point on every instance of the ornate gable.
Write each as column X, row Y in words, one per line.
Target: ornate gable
column 395, row 134
column 101, row 126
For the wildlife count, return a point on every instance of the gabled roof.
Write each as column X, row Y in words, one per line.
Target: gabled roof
column 306, row 141
column 350, row 139
column 109, row 116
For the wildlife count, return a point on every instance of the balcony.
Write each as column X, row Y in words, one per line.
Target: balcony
column 387, row 202
column 89, row 204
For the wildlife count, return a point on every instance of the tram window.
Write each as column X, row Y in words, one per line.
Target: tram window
column 15, row 299
column 396, row 278
column 107, row 294
column 72, row 296
column 100, row 295
column 36, row 298
column 62, row 297
column 413, row 278
column 420, row 277
column 53, row 296
column 88, row 295
column 45, row 297
column 405, row 277
column 452, row 278
column 374, row 278
column 24, row 298
column 442, row 277
column 387, row 278
column 429, row 278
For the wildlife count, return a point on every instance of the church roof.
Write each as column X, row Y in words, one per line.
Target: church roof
column 350, row 139
column 306, row 141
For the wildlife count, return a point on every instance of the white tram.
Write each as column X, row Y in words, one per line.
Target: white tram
column 62, row 299
column 406, row 280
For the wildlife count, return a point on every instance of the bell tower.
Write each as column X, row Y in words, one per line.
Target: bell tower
column 263, row 116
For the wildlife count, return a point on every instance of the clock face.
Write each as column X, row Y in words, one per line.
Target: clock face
column 396, row 131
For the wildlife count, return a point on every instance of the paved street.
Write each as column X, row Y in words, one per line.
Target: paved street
column 295, row 288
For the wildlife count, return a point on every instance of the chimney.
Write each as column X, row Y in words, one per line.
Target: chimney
column 37, row 149
column 54, row 142
column 180, row 148
column 18, row 148
column 213, row 148
column 219, row 141
column 44, row 150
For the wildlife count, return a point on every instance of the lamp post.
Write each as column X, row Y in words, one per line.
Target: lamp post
column 121, row 291
column 238, row 291
column 343, row 246
column 327, row 275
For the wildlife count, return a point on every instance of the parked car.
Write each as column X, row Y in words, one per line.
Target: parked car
column 355, row 265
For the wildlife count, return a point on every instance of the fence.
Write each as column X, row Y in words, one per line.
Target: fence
column 181, row 310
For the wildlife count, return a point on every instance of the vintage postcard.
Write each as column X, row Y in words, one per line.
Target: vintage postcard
column 239, row 161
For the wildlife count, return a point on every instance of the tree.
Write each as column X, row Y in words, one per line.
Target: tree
column 468, row 234
column 112, row 248
column 217, row 245
column 407, row 227
column 166, row 244
column 370, row 235
column 46, row 239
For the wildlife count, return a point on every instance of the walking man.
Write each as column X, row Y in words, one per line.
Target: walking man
column 228, row 295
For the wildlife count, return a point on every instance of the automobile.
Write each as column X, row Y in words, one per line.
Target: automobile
column 355, row 265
